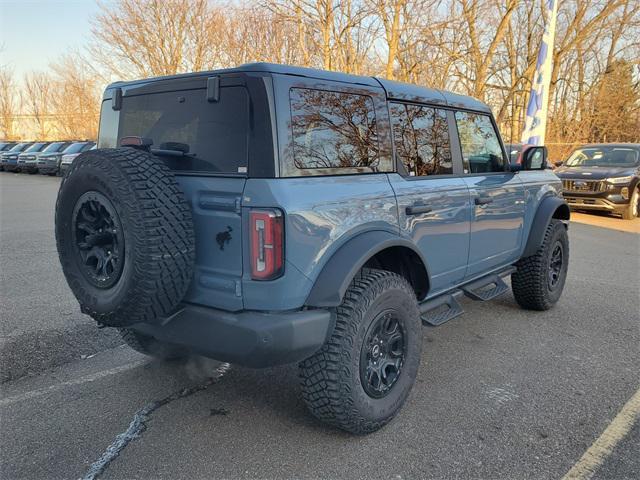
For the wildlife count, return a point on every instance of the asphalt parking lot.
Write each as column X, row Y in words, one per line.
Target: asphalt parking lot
column 501, row 392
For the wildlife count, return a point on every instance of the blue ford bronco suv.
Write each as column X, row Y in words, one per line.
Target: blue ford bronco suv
column 269, row 214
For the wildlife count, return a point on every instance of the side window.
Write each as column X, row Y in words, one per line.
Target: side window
column 421, row 137
column 481, row 151
column 333, row 130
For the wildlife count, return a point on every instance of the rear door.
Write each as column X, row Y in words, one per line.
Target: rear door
column 212, row 174
column 497, row 195
column 433, row 200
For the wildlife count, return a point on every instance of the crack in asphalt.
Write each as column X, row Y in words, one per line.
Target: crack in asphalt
column 139, row 423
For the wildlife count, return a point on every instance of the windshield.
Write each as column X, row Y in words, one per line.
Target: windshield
column 75, row 147
column 603, row 157
column 54, row 147
column 36, row 147
column 19, row 147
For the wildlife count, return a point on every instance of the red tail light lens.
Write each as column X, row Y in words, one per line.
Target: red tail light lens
column 267, row 244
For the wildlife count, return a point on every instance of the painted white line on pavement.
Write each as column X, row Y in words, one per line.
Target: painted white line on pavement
column 606, row 442
column 78, row 381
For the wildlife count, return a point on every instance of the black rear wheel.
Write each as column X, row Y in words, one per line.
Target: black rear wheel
column 362, row 376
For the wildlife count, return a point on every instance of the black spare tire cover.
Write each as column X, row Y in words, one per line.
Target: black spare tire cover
column 125, row 238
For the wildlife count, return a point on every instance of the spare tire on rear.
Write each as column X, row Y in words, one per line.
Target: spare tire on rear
column 125, row 236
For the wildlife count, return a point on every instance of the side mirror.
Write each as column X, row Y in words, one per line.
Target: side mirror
column 534, row 158
column 558, row 163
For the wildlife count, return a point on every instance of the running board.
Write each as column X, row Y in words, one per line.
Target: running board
column 441, row 309
column 489, row 287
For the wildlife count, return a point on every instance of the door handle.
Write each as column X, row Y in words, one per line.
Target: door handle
column 417, row 209
column 483, row 200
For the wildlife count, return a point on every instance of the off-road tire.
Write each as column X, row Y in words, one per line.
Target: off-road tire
column 152, row 347
column 331, row 381
column 530, row 281
column 633, row 210
column 156, row 228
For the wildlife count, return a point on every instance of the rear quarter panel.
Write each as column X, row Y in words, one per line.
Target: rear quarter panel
column 321, row 215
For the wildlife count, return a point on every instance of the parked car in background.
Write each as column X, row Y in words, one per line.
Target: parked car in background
column 10, row 158
column 67, row 158
column 603, row 177
column 31, row 161
column 49, row 164
column 5, row 147
column 30, row 154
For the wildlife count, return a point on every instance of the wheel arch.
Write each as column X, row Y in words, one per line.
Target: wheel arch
column 549, row 208
column 376, row 249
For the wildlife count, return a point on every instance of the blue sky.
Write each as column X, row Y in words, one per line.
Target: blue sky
column 33, row 33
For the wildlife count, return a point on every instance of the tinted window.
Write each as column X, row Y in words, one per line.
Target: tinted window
column 36, row 147
column 75, row 147
column 333, row 130
column 215, row 133
column 421, row 137
column 55, row 147
column 108, row 134
column 481, row 150
column 603, row 156
column 19, row 147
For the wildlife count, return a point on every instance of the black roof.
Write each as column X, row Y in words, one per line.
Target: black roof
column 395, row 90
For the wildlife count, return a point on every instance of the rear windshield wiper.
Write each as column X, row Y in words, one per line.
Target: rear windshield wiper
column 171, row 153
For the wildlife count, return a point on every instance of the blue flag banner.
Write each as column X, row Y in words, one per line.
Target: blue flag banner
column 537, row 108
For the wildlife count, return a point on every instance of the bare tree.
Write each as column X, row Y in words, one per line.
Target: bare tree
column 8, row 103
column 156, row 37
column 38, row 91
column 76, row 102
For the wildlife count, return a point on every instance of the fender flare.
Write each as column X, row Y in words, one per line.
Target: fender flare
column 546, row 211
column 336, row 275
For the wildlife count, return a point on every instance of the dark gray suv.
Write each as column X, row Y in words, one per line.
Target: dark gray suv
column 269, row 214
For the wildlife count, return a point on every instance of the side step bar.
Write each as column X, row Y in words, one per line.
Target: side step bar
column 489, row 287
column 445, row 307
column 441, row 309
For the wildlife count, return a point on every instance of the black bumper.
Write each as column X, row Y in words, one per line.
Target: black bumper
column 248, row 338
column 615, row 204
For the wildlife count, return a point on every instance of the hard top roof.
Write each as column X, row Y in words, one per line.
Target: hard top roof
column 394, row 90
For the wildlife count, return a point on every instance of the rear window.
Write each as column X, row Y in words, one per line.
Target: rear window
column 214, row 134
column 333, row 130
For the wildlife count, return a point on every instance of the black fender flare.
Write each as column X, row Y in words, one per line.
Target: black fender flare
column 546, row 211
column 336, row 275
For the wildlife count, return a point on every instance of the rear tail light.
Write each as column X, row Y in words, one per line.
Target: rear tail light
column 267, row 244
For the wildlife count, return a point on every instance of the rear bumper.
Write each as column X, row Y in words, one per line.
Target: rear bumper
column 248, row 338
